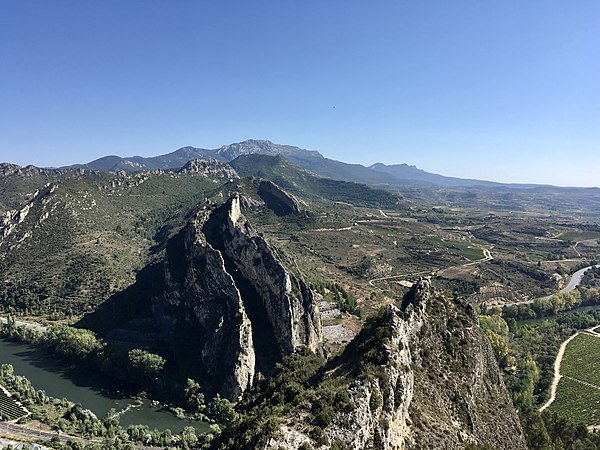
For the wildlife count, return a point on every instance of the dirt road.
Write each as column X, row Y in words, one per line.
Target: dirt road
column 557, row 362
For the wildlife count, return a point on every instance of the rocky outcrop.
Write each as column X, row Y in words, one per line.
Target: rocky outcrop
column 290, row 305
column 201, row 314
column 7, row 169
column 228, row 306
column 423, row 376
column 459, row 396
column 11, row 219
column 262, row 147
column 280, row 201
column 493, row 294
column 209, row 168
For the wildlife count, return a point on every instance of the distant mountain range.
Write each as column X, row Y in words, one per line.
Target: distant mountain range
column 375, row 175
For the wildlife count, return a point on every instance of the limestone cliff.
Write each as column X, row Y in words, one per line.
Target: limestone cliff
column 459, row 396
column 202, row 315
column 209, row 168
column 280, row 201
column 229, row 307
column 418, row 376
column 289, row 304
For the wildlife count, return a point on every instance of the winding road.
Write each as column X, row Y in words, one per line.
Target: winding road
column 571, row 285
column 487, row 256
column 577, row 277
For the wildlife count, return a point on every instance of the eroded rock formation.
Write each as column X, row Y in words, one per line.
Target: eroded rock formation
column 229, row 307
column 280, row 201
column 423, row 376
column 209, row 168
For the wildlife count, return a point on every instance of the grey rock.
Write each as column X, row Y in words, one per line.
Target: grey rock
column 209, row 168
column 280, row 201
column 418, row 398
column 229, row 306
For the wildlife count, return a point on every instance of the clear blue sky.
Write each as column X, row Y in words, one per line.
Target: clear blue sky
column 505, row 90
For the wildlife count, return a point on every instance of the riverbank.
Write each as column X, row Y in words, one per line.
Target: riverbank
column 93, row 391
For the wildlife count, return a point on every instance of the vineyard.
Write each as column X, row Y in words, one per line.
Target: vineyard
column 577, row 401
column 578, row 393
column 9, row 408
column 582, row 359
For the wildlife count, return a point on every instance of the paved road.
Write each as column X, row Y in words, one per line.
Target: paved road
column 31, row 325
column 22, row 432
column 576, row 278
column 571, row 285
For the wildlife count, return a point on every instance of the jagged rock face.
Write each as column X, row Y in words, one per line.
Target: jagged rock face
column 277, row 199
column 471, row 403
column 210, row 168
column 201, row 313
column 379, row 417
column 225, row 288
column 434, row 385
column 7, row 169
column 290, row 305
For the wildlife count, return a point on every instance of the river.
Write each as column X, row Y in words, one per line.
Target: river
column 93, row 391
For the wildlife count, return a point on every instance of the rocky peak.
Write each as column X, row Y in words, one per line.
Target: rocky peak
column 290, row 307
column 247, row 147
column 7, row 169
column 209, row 168
column 229, row 307
column 422, row 376
column 262, row 147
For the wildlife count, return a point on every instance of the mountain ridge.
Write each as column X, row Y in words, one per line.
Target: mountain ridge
column 378, row 174
column 312, row 160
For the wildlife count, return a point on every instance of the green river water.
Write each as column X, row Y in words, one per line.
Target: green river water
column 94, row 392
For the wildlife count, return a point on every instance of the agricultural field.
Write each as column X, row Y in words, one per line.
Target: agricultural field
column 577, row 401
column 577, row 396
column 575, row 236
column 9, row 408
column 582, row 359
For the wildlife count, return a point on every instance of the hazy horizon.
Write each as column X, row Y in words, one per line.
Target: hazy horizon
column 504, row 92
column 284, row 143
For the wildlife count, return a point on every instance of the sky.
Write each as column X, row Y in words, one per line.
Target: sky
column 506, row 91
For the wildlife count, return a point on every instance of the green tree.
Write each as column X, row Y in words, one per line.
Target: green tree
column 194, row 395
column 145, row 366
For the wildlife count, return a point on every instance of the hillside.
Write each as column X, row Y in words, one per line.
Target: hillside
column 311, row 160
column 71, row 238
column 306, row 184
column 397, row 385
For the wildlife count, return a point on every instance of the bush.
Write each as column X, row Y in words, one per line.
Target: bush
column 324, row 417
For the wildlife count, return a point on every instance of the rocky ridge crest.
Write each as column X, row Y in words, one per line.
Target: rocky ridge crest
column 225, row 290
column 209, row 168
column 423, row 376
